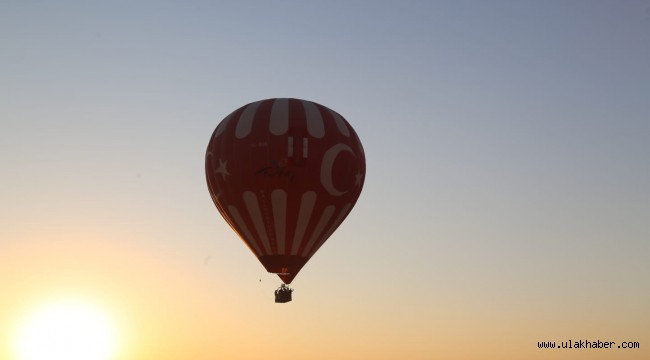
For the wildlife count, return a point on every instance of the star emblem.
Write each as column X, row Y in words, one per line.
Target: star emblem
column 222, row 169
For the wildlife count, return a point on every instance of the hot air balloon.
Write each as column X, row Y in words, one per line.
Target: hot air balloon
column 284, row 173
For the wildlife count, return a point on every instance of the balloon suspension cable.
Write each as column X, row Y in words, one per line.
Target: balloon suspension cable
column 283, row 294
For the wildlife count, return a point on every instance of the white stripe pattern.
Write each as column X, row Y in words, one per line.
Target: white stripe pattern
column 279, row 208
column 253, row 207
column 279, row 203
column 315, row 125
column 304, row 214
column 342, row 214
column 245, row 123
column 340, row 123
column 290, row 146
column 279, row 119
column 324, row 218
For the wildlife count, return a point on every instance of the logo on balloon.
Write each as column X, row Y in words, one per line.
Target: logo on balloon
column 277, row 169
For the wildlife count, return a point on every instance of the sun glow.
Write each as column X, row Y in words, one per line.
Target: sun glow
column 66, row 330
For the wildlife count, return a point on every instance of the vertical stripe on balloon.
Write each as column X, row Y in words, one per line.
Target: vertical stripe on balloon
column 315, row 125
column 279, row 203
column 253, row 207
column 234, row 213
column 304, row 214
column 279, row 122
column 324, row 219
column 339, row 219
column 290, row 146
column 245, row 123
column 340, row 123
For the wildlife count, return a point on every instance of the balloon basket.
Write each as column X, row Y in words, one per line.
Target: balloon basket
column 283, row 294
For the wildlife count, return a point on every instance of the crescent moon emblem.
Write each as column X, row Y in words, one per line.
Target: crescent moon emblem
column 326, row 168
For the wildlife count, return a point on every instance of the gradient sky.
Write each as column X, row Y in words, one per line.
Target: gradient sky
column 507, row 194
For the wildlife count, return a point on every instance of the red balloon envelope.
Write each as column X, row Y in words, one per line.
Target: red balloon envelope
column 284, row 173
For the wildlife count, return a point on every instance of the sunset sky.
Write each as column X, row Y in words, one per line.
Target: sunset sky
column 506, row 199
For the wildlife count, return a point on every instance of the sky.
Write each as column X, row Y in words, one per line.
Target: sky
column 506, row 200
